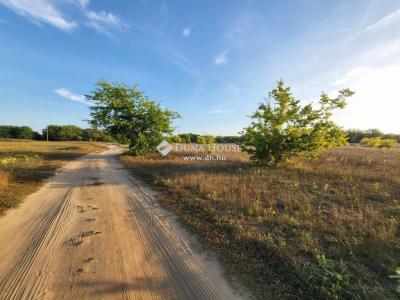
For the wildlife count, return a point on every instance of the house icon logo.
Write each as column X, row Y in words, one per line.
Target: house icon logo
column 164, row 148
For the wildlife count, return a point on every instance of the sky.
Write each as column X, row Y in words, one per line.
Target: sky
column 211, row 61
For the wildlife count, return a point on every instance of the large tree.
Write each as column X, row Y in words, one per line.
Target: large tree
column 283, row 128
column 126, row 112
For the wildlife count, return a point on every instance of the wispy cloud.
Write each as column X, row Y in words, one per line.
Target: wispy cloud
column 66, row 93
column 235, row 35
column 216, row 111
column 384, row 50
column 224, row 111
column 352, row 75
column 46, row 11
column 102, row 21
column 160, row 43
column 187, row 31
column 42, row 11
column 221, row 58
column 164, row 8
column 385, row 22
column 237, row 30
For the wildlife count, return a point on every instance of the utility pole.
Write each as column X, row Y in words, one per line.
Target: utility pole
column 47, row 132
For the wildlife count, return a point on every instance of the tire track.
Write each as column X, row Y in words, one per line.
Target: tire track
column 42, row 235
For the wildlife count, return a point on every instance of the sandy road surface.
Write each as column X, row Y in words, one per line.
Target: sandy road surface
column 92, row 232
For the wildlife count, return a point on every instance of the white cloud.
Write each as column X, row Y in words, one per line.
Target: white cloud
column 385, row 22
column 222, row 58
column 42, row 11
column 376, row 103
column 216, row 111
column 45, row 11
column 63, row 92
column 104, row 17
column 186, row 31
column 102, row 21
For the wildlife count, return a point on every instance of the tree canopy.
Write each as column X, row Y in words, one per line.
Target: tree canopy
column 283, row 128
column 17, row 132
column 126, row 112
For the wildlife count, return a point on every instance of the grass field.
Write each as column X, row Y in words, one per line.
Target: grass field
column 25, row 164
column 322, row 229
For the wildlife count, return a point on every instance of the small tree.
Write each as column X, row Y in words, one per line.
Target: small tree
column 127, row 113
column 282, row 128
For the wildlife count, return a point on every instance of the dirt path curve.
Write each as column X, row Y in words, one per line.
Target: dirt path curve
column 94, row 233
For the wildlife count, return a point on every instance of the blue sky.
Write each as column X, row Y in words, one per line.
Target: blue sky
column 212, row 61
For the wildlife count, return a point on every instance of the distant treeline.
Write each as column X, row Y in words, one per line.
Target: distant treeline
column 56, row 133
column 75, row 133
column 18, row 132
column 356, row 135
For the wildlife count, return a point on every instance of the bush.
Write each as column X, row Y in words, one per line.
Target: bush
column 378, row 142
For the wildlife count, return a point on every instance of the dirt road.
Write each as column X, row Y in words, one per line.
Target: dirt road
column 93, row 232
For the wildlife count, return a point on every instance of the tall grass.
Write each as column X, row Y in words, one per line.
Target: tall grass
column 4, row 178
column 327, row 228
column 24, row 165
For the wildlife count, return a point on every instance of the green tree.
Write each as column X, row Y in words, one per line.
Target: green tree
column 282, row 128
column 126, row 112
column 64, row 133
column 70, row 133
column 16, row 132
column 25, row 133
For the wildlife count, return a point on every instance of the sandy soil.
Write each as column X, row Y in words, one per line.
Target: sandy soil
column 94, row 232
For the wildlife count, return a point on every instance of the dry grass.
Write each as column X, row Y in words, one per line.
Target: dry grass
column 24, row 165
column 327, row 228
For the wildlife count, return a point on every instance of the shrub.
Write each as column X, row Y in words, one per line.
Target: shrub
column 378, row 142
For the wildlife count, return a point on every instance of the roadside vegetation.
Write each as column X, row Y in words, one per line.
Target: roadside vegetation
column 25, row 164
column 323, row 229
